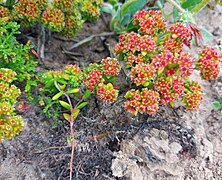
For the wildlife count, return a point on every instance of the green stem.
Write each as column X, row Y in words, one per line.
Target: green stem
column 179, row 8
column 72, row 145
column 201, row 5
column 67, row 96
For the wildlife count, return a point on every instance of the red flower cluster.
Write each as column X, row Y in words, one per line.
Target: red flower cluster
column 107, row 93
column 169, row 90
column 72, row 69
column 93, row 79
column 73, row 22
column 9, row 93
column 29, row 10
column 127, row 42
column 180, row 31
column 145, row 101
column 179, row 34
column 63, row 4
column 4, row 12
column 150, row 101
column 91, row 9
column 209, row 63
column 111, row 66
column 142, row 74
column 140, row 16
column 75, row 75
column 10, row 125
column 54, row 19
column 101, row 77
column 185, row 61
column 146, row 44
column 135, row 43
column 173, row 45
column 156, row 60
column 7, row 75
column 164, row 59
column 193, row 96
column 132, row 59
column 150, row 22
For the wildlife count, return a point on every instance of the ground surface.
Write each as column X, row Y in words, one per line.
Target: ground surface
column 173, row 144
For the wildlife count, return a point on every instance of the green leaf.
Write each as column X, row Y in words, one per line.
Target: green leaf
column 61, row 81
column 146, row 84
column 68, row 139
column 175, row 14
column 54, row 125
column 111, row 79
column 67, row 116
column 159, row 4
column 86, row 94
column 216, row 105
column 75, row 90
column 129, row 27
column 57, row 96
column 83, row 104
column 107, row 8
column 207, row 36
column 188, row 4
column 113, row 2
column 131, row 6
column 172, row 104
column 10, row 2
column 200, row 6
column 128, row 95
column 125, row 20
column 128, row 8
column 49, row 82
column 75, row 114
column 65, row 105
column 62, row 86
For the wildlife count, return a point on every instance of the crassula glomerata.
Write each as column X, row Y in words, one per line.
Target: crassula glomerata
column 159, row 67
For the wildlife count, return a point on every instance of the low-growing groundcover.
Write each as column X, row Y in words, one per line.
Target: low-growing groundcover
column 103, row 123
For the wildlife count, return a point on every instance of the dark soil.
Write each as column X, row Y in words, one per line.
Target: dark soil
column 42, row 151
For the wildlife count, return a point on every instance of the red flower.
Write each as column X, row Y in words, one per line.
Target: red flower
column 107, row 93
column 111, row 66
column 193, row 96
column 93, row 79
column 209, row 63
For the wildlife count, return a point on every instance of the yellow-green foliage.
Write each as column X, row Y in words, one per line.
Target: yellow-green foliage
column 10, row 123
column 65, row 16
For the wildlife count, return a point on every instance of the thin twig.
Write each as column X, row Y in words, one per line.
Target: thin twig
column 41, row 43
column 70, row 53
column 54, row 147
column 90, row 38
column 71, row 129
column 72, row 144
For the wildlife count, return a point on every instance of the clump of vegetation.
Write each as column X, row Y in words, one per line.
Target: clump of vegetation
column 16, row 56
column 65, row 17
column 10, row 123
column 98, row 79
column 16, row 64
column 158, row 65
column 153, row 55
